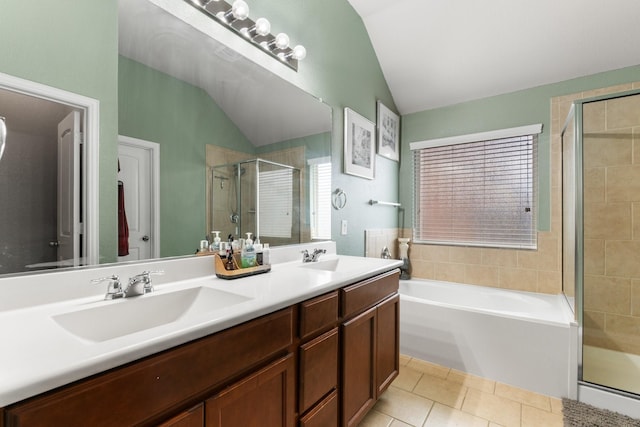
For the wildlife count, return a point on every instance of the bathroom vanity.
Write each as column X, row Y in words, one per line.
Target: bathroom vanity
column 310, row 344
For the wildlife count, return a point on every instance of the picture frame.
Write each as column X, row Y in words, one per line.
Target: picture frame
column 388, row 133
column 359, row 145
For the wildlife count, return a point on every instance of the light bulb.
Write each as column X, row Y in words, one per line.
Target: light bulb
column 263, row 26
column 282, row 41
column 299, row 52
column 240, row 10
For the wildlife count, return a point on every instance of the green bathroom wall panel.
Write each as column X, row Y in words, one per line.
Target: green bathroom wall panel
column 72, row 45
column 183, row 119
column 509, row 110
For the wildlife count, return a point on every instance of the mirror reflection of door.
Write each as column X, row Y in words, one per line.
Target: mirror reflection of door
column 137, row 164
column 28, row 184
column 69, row 140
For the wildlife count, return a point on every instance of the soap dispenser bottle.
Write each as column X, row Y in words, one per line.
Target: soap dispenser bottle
column 248, row 254
column 215, row 246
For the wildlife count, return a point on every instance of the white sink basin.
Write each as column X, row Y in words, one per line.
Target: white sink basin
column 117, row 318
column 327, row 265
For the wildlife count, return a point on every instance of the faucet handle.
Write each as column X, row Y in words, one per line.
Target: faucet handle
column 115, row 287
column 146, row 275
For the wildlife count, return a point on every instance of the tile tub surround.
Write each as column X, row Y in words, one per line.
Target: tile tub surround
column 425, row 394
column 45, row 356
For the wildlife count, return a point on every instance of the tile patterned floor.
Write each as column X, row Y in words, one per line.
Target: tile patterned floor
column 428, row 395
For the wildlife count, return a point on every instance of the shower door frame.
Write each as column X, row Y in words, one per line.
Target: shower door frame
column 596, row 394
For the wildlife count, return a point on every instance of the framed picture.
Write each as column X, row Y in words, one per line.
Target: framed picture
column 359, row 141
column 388, row 133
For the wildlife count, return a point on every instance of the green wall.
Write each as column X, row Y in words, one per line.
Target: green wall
column 71, row 45
column 509, row 110
column 182, row 119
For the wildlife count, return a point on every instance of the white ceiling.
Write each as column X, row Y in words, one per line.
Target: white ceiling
column 435, row 53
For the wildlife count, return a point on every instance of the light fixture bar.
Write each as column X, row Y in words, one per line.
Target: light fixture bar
column 235, row 17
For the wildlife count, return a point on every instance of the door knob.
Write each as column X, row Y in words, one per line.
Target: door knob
column 145, row 238
column 54, row 244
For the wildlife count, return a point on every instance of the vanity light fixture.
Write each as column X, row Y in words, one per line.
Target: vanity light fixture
column 235, row 17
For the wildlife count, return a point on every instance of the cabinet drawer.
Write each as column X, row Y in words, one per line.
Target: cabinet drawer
column 318, row 368
column 318, row 314
column 143, row 391
column 325, row 414
column 362, row 295
column 194, row 417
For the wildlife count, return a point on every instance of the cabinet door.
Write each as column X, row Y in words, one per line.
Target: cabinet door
column 194, row 417
column 387, row 343
column 263, row 399
column 324, row 414
column 358, row 369
column 318, row 369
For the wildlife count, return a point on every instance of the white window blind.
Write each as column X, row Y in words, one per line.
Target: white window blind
column 480, row 193
column 320, row 198
column 275, row 202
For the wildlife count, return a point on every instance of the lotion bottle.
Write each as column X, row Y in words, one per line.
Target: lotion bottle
column 248, row 254
column 216, row 242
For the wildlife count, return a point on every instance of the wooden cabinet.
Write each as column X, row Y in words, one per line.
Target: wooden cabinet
column 193, row 417
column 265, row 398
column 370, row 344
column 320, row 363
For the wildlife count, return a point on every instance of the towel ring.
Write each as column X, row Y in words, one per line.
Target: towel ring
column 339, row 199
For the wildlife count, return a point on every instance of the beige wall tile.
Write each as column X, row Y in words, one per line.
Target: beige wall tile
column 519, row 279
column 635, row 297
column 628, row 326
column 423, row 269
column 611, row 148
column 482, row 275
column 528, row 259
column 449, row 272
column 594, row 185
column 548, row 254
column 623, row 112
column 549, row 282
column 465, row 255
column 607, row 221
column 607, row 294
column 429, row 253
column 623, row 184
column 621, row 258
column 594, row 117
column 500, row 257
column 594, row 256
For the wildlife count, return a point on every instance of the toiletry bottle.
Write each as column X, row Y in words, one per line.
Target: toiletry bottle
column 257, row 246
column 215, row 246
column 266, row 255
column 229, row 264
column 248, row 254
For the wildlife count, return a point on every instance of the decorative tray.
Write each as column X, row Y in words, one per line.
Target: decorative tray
column 237, row 272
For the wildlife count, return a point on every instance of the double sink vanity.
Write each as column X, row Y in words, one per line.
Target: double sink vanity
column 309, row 344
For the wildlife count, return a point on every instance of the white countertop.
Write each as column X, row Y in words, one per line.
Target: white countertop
column 39, row 355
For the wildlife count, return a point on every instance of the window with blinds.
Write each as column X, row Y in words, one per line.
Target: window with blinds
column 320, row 198
column 478, row 193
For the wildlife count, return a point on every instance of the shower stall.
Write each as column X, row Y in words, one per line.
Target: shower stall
column 257, row 196
column 601, row 245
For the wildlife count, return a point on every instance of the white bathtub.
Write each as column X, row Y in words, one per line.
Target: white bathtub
column 519, row 338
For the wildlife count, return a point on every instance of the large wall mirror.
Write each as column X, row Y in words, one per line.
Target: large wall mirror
column 200, row 116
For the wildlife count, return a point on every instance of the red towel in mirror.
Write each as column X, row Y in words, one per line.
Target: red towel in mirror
column 123, row 227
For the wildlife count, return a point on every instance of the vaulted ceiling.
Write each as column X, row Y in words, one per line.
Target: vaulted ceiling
column 435, row 53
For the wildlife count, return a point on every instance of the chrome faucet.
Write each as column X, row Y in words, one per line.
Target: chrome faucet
column 115, row 287
column 140, row 284
column 306, row 257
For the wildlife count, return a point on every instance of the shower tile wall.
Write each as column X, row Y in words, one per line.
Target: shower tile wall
column 612, row 224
